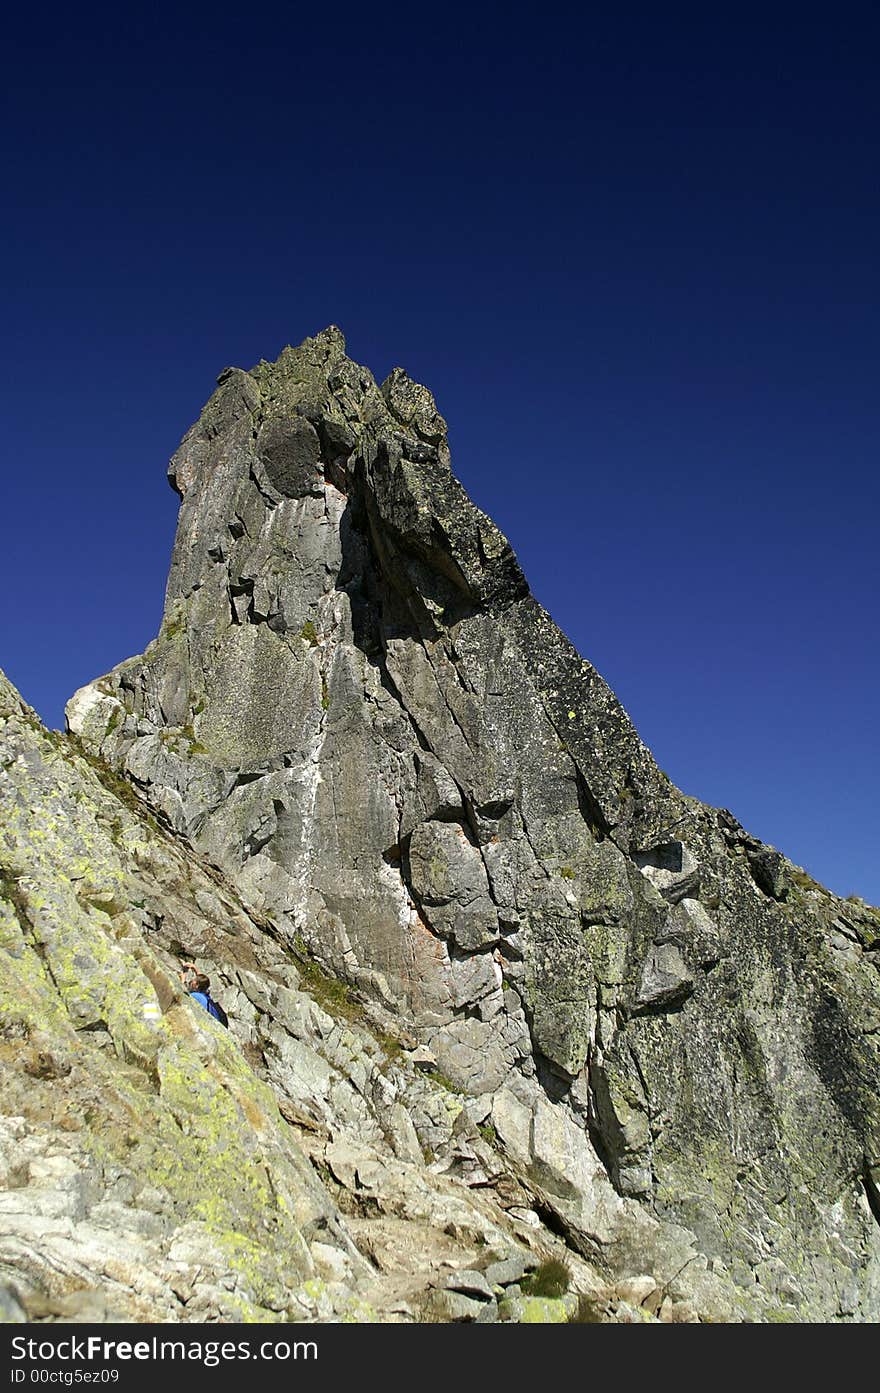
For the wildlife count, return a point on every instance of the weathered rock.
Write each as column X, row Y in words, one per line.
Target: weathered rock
column 471, row 1283
column 671, row 867
column 357, row 711
column 636, row 1290
column 509, row 1270
column 449, row 879
column 538, row 1310
column 666, row 978
column 454, row 1306
column 769, row 870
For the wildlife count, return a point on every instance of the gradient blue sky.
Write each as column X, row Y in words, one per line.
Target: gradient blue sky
column 633, row 251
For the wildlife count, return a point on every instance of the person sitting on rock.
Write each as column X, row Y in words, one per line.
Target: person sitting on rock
column 198, row 986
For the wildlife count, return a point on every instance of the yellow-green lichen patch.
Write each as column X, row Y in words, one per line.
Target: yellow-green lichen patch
column 359, row 1312
column 218, row 1152
column 546, row 1310
column 28, row 999
column 99, row 983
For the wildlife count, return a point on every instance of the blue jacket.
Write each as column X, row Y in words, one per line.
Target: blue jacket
column 212, row 1007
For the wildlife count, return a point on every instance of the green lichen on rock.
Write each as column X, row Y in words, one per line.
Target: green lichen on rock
column 537, row 1310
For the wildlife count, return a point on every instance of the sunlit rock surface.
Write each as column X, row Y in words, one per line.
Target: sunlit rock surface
column 658, row 1035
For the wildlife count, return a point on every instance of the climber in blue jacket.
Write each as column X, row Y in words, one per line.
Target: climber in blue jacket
column 198, row 987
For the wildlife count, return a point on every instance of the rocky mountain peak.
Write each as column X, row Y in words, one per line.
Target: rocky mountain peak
column 356, row 713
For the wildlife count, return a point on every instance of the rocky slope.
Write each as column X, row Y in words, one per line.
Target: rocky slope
column 590, row 1011
column 302, row 1166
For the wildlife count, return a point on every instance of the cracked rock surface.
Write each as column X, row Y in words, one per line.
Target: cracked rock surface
column 657, row 1035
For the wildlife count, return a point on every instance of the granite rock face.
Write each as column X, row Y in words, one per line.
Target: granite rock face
column 156, row 1167
column 358, row 712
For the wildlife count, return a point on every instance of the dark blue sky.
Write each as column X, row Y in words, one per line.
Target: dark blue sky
column 632, row 252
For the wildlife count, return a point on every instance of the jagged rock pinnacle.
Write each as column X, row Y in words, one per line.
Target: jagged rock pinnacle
column 357, row 709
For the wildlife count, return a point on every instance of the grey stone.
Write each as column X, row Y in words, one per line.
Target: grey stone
column 455, row 1307
column 671, row 867
column 666, row 978
column 290, row 454
column 472, row 1283
column 509, row 1270
column 769, row 872
column 512, row 1120
column 11, row 1309
column 449, row 878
